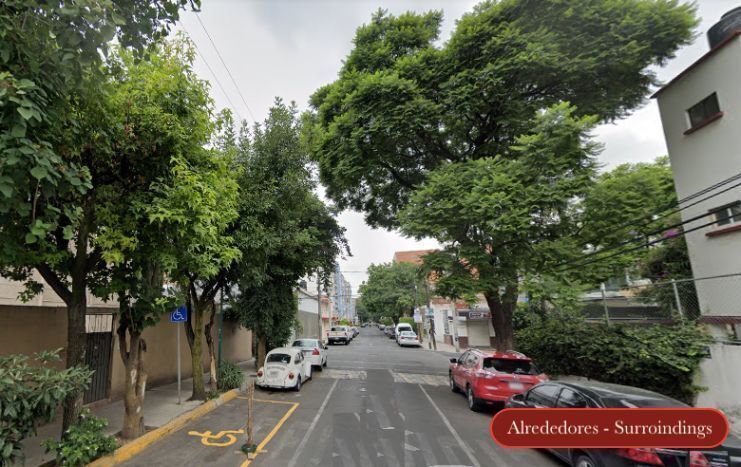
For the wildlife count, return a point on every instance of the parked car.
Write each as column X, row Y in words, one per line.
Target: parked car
column 355, row 331
column 314, row 351
column 407, row 338
column 390, row 332
column 381, row 327
column 339, row 334
column 489, row 377
column 285, row 367
column 594, row 394
column 402, row 327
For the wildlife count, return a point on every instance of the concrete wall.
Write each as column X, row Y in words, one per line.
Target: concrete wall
column 721, row 376
column 28, row 329
column 702, row 159
column 308, row 315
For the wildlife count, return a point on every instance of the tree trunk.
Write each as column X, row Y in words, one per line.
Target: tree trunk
column 502, row 308
column 196, row 352
column 262, row 343
column 135, row 383
column 76, row 311
column 208, row 333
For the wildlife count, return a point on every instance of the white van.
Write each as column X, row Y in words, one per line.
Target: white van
column 402, row 327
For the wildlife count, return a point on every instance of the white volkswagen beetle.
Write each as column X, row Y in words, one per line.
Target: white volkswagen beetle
column 285, row 367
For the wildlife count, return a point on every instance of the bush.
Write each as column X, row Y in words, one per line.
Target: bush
column 30, row 394
column 407, row 320
column 83, row 442
column 230, row 376
column 659, row 358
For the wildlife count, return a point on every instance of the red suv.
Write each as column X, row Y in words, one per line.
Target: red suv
column 490, row 377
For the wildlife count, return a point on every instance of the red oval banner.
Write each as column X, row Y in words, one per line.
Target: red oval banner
column 610, row 428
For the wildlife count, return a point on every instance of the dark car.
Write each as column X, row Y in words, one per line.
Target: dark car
column 593, row 394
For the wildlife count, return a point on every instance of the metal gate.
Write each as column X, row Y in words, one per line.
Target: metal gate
column 98, row 356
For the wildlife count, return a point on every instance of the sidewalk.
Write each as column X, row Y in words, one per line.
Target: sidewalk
column 160, row 406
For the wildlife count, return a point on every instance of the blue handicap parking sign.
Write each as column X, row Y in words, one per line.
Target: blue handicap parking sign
column 179, row 315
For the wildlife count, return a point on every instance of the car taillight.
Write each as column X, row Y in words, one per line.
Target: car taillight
column 315, row 352
column 291, row 375
column 640, row 455
column 698, row 459
column 259, row 373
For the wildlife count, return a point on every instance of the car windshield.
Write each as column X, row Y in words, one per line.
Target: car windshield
column 279, row 358
column 305, row 343
column 510, row 365
column 408, row 334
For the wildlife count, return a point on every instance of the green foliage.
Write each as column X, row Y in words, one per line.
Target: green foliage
column 344, row 322
column 408, row 320
column 659, row 358
column 404, row 106
column 386, row 320
column 390, row 289
column 30, row 394
column 83, row 442
column 285, row 231
column 230, row 376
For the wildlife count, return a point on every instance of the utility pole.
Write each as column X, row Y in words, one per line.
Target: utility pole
column 221, row 328
column 320, row 335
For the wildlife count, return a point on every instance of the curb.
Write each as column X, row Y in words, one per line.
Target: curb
column 134, row 447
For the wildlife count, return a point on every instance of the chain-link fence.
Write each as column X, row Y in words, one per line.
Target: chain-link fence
column 664, row 301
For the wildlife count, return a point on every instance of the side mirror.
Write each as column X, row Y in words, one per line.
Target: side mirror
column 454, row 360
column 518, row 398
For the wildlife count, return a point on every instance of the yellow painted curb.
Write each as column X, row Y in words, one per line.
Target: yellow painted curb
column 134, row 447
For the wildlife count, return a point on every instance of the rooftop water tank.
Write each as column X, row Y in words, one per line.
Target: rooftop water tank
column 729, row 23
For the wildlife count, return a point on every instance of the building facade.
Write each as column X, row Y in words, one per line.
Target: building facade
column 701, row 116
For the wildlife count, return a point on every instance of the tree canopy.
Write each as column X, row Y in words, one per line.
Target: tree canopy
column 392, row 290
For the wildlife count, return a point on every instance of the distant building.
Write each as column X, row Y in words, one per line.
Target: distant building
column 469, row 325
column 701, row 115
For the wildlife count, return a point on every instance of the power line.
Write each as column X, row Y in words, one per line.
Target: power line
column 216, row 78
column 228, row 72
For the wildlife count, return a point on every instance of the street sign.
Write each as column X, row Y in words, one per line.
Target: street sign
column 417, row 316
column 179, row 315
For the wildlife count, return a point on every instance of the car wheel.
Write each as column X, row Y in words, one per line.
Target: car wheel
column 584, row 460
column 473, row 403
column 298, row 384
column 325, row 363
column 453, row 386
column 319, row 367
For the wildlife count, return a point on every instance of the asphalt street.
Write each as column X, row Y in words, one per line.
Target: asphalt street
column 375, row 405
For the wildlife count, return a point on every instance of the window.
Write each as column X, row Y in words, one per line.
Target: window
column 279, row 358
column 570, row 399
column 543, row 395
column 728, row 214
column 510, row 365
column 305, row 343
column 703, row 111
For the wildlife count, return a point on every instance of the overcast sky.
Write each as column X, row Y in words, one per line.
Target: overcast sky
column 288, row 48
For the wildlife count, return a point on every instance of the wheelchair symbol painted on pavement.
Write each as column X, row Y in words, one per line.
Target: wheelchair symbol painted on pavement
column 208, row 439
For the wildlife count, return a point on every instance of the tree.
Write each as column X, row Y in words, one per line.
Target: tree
column 285, row 230
column 163, row 110
column 392, row 289
column 627, row 206
column 402, row 107
column 501, row 218
column 50, row 174
column 412, row 128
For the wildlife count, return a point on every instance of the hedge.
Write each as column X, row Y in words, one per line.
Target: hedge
column 407, row 320
column 659, row 358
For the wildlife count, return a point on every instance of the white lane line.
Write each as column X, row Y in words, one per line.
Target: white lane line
column 305, row 439
column 455, row 434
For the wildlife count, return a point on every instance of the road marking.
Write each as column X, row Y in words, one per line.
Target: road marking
column 206, row 436
column 344, row 374
column 309, row 430
column 417, row 378
column 272, row 432
column 269, row 401
column 455, row 434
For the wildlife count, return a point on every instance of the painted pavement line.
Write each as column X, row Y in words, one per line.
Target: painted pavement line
column 452, row 430
column 272, row 433
column 305, row 439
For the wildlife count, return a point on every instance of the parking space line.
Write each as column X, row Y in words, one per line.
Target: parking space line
column 269, row 401
column 275, row 429
column 455, row 434
column 309, row 430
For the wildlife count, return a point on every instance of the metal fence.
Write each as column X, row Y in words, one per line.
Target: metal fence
column 666, row 300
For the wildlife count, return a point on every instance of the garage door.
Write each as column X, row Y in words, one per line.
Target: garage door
column 478, row 333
